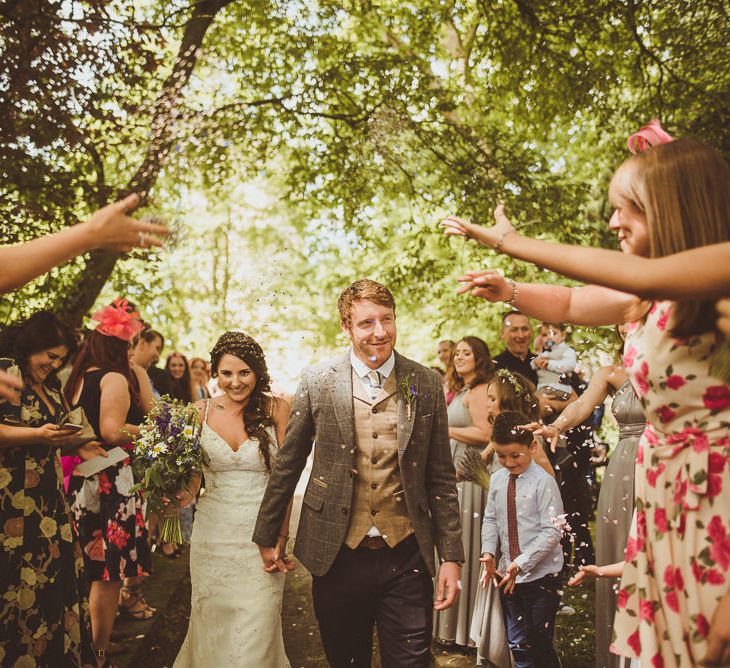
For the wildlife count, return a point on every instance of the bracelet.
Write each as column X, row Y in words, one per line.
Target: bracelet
column 511, row 301
column 500, row 241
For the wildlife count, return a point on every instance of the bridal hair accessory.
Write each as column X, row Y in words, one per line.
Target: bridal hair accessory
column 245, row 348
column 118, row 320
column 507, row 375
column 652, row 134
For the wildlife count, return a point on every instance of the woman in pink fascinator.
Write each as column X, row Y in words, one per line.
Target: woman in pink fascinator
column 108, row 516
column 671, row 206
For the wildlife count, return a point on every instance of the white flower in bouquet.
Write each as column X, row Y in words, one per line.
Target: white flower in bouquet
column 168, row 455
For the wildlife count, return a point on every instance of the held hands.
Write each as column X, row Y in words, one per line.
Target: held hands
column 112, row 229
column 487, row 236
column 275, row 558
column 447, row 589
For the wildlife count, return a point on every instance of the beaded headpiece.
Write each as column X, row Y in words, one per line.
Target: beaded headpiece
column 118, row 320
column 652, row 134
column 244, row 347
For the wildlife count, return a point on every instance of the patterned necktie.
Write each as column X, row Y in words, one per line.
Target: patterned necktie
column 512, row 537
column 374, row 377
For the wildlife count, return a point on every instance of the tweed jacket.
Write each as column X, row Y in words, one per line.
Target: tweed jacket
column 322, row 411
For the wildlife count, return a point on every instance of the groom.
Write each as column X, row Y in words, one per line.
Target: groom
column 381, row 493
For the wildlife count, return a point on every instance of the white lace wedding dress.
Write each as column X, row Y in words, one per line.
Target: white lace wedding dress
column 235, row 617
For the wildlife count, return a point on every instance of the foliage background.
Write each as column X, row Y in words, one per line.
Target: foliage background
column 299, row 145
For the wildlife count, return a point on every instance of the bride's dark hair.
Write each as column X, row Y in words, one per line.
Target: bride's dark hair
column 257, row 413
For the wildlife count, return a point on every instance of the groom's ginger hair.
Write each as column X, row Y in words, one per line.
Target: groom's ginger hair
column 363, row 289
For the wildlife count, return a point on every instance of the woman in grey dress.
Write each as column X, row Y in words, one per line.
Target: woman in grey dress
column 471, row 369
column 616, row 498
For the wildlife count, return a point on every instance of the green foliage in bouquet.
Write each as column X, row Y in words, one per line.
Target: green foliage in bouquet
column 472, row 468
column 167, row 456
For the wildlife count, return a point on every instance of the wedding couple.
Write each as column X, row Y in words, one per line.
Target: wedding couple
column 381, row 495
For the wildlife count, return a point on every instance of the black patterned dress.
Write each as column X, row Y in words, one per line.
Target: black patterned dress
column 44, row 613
column 109, row 517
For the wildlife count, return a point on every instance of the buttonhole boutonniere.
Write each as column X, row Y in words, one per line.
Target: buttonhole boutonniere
column 408, row 392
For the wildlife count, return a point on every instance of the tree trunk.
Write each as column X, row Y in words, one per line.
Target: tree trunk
column 79, row 300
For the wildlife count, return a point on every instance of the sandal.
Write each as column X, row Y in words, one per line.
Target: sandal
column 133, row 605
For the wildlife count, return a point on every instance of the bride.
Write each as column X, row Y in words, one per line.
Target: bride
column 235, row 617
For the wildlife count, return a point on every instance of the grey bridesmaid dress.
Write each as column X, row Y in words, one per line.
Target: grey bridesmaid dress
column 613, row 516
column 452, row 625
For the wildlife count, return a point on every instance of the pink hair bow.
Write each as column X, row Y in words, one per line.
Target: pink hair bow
column 652, row 134
column 118, row 320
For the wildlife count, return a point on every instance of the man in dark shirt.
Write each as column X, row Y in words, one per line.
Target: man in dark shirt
column 575, row 470
column 516, row 334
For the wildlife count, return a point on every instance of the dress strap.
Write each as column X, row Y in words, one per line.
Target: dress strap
column 207, row 406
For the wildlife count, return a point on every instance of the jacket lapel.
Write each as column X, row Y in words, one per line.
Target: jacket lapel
column 341, row 393
column 404, row 372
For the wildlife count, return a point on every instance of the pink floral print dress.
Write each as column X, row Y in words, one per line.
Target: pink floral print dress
column 678, row 553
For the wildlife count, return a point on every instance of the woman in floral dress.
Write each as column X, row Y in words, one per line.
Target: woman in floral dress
column 44, row 614
column 109, row 517
column 674, row 601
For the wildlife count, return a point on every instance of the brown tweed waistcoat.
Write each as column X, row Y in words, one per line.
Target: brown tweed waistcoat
column 378, row 497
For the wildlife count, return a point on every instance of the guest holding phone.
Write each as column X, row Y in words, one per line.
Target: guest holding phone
column 40, row 573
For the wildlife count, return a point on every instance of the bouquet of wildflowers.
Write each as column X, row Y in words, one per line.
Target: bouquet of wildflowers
column 167, row 456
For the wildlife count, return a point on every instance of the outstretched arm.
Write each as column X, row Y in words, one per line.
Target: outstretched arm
column 700, row 273
column 590, row 306
column 599, row 387
column 109, row 228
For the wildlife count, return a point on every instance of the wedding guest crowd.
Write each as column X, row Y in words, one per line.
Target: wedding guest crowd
column 77, row 548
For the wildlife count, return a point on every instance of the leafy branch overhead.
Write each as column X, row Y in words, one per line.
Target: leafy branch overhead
column 365, row 121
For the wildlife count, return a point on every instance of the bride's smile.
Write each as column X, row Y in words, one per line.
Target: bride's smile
column 236, row 378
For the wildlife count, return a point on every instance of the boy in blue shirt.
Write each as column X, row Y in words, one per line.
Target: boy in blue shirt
column 523, row 519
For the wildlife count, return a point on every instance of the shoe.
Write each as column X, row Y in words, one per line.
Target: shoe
column 566, row 611
column 133, row 605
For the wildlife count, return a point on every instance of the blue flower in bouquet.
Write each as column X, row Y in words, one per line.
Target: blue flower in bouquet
column 168, row 457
